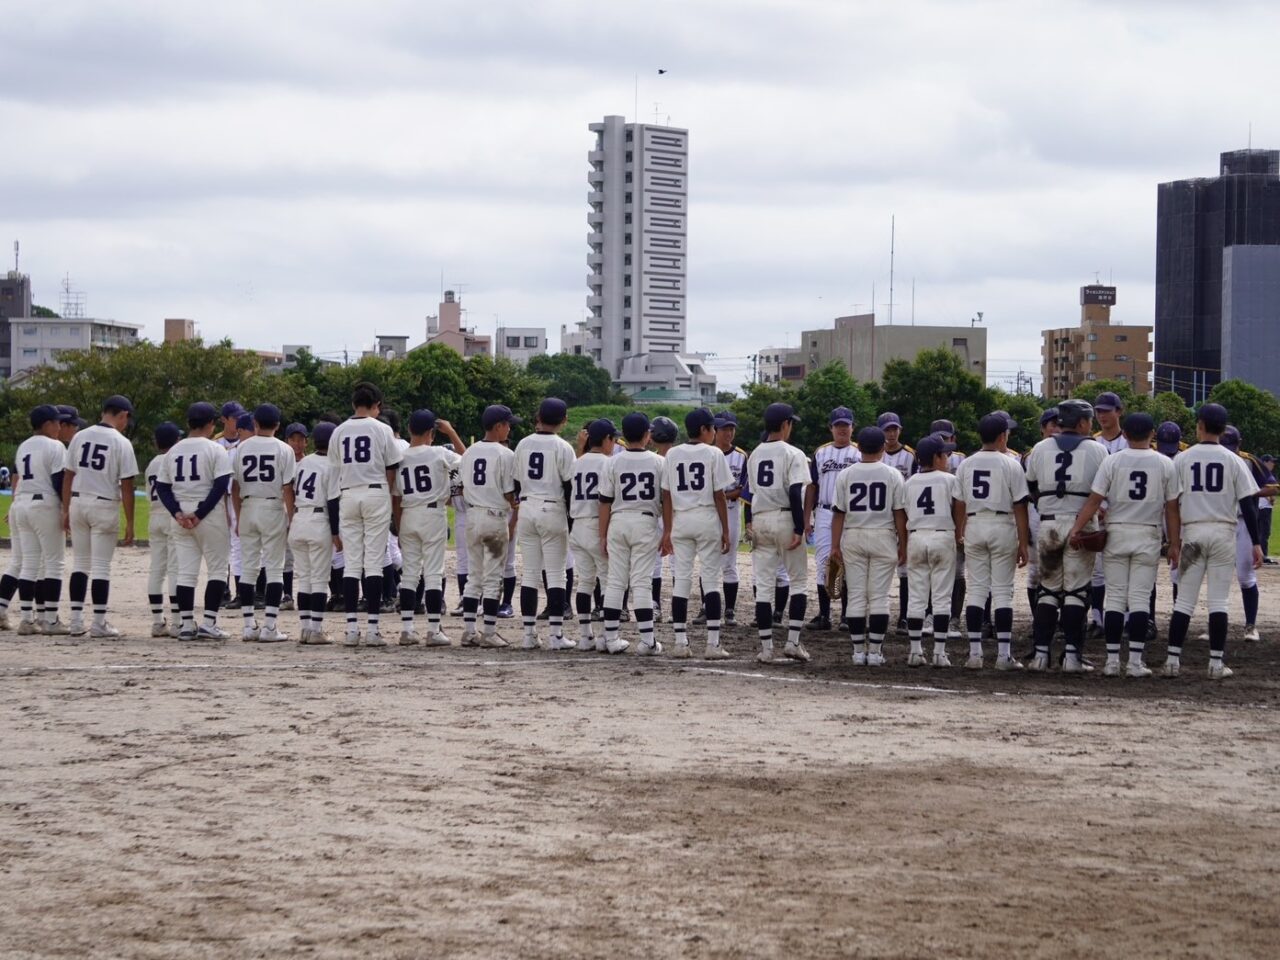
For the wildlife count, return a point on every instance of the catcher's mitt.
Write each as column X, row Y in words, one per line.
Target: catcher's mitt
column 835, row 576
column 1094, row 541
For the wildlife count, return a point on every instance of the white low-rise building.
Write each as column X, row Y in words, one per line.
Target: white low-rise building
column 38, row 341
column 520, row 344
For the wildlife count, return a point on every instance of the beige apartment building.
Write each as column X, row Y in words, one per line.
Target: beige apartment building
column 1095, row 350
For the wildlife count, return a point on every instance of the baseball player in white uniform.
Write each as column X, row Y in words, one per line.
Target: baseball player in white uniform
column 935, row 526
column 1060, row 472
column 1108, row 408
column 364, row 454
column 1214, row 484
column 631, row 497
column 544, row 473
column 780, row 479
column 869, row 522
column 488, row 475
column 262, row 472
column 903, row 459
column 584, row 512
column 194, row 479
column 663, row 433
column 420, row 512
column 1048, row 428
column 98, row 478
column 37, row 524
column 996, row 537
column 726, row 426
column 163, row 558
column 946, row 430
column 1141, row 489
column 695, row 521
column 1246, row 573
column 242, row 430
column 312, row 534
column 828, row 460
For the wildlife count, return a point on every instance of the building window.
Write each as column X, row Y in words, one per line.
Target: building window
column 626, row 279
column 630, row 135
column 627, row 178
column 513, row 342
column 626, row 321
column 626, row 344
column 626, row 238
column 626, row 218
column 1122, row 356
column 577, row 349
column 813, row 344
column 627, row 199
column 29, row 351
column 626, row 260
column 630, row 157
column 960, row 342
column 531, row 342
column 1121, row 337
column 626, row 301
column 1091, row 356
column 1091, row 376
column 28, row 331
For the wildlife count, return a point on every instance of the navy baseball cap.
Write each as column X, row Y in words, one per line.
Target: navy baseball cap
column 944, row 427
column 295, row 428
column 1051, row 416
column 887, row 420
column 231, row 409
column 725, row 418
column 67, row 413
column 198, row 414
column 842, row 415
column 600, row 430
column 320, row 436
column 932, row 445
column 776, row 414
column 1139, row 425
column 244, row 421
column 1267, row 458
column 664, row 430
column 1168, row 438
column 45, row 413
column 421, row 421
column 167, row 434
column 1213, row 416
column 117, row 402
column 870, row 439
column 495, row 414
column 694, row 421
column 267, row 414
column 636, row 425
column 1108, row 401
column 1231, row 437
column 552, row 410
column 1008, row 418
column 991, row 426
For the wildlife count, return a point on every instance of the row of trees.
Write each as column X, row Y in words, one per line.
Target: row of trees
column 164, row 379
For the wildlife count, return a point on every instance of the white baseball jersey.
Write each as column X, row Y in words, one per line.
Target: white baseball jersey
column 929, row 496
column 361, row 451
column 991, row 480
column 423, row 475
column 773, row 468
column 488, row 472
column 903, row 460
column 737, row 461
column 38, row 459
column 954, row 460
column 152, row 474
column 101, row 457
column 544, row 464
column 1137, row 484
column 634, row 480
column 262, row 466
column 1115, row 444
column 868, row 493
column 828, row 461
column 313, row 481
column 191, row 466
column 1065, row 477
column 692, row 473
column 588, row 471
column 1211, row 483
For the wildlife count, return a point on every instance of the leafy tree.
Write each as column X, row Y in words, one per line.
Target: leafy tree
column 823, row 391
column 1023, row 407
column 45, row 312
column 574, row 378
column 1255, row 412
column 750, row 409
column 1169, row 406
column 935, row 385
column 725, row 397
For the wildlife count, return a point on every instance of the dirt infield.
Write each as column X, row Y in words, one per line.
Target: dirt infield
column 248, row 800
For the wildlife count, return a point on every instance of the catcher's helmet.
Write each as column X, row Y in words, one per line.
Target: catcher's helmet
column 1071, row 412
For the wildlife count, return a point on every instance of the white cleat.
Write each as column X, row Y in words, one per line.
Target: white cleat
column 1137, row 669
column 1071, row 664
column 77, row 628
column 531, row 643
column 374, row 639
column 562, row 643
column 1111, row 668
column 188, row 636
column 160, row 629
column 940, row 659
column 648, row 649
column 27, row 628
column 1039, row 663
column 617, row 645
column 917, row 659
column 492, row 641
column 973, row 663
column 4, row 620
column 408, row 638
column 53, row 628
column 316, row 638
column 1251, row 635
column 104, row 632
column 271, row 635
column 1171, row 668
column 875, row 659
column 175, row 629
column 438, row 638
column 601, row 646
column 470, row 638
column 1203, row 637
column 212, row 633
column 716, row 653
column 796, row 651
column 351, row 638
column 1220, row 671
column 682, row 651
column 768, row 656
column 250, row 634
column 587, row 644
column 859, row 658
column 1008, row 663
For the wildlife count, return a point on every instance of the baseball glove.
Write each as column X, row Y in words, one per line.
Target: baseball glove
column 1094, row 541
column 835, row 576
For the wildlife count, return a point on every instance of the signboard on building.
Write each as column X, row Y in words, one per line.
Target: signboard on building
column 1106, row 296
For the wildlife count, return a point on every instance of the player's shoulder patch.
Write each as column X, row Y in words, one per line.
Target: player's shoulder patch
column 911, row 450
column 822, row 446
column 739, row 450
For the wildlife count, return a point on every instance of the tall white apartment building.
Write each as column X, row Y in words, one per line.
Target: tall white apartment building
column 637, row 259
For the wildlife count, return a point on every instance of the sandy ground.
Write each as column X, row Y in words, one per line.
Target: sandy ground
column 238, row 800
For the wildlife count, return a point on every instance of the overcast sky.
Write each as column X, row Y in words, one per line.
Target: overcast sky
column 303, row 172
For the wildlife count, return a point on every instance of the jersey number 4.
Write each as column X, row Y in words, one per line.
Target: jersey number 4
column 925, row 502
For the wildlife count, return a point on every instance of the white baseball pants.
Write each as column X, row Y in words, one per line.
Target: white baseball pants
column 870, row 563
column 631, row 549
column 39, row 528
column 822, row 542
column 542, row 534
column 423, row 532
column 774, row 531
column 364, row 522
column 1208, row 554
column 210, row 541
column 1063, row 568
column 264, row 528
column 592, row 564
column 931, row 571
column 163, row 572
column 729, row 561
column 312, row 545
column 1129, row 564
column 695, row 534
column 487, row 543
column 991, row 560
column 95, row 530
column 1245, row 574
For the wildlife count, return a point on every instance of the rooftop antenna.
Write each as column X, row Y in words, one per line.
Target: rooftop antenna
column 656, row 105
column 1250, row 141
column 72, row 300
column 15, row 256
column 892, row 229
